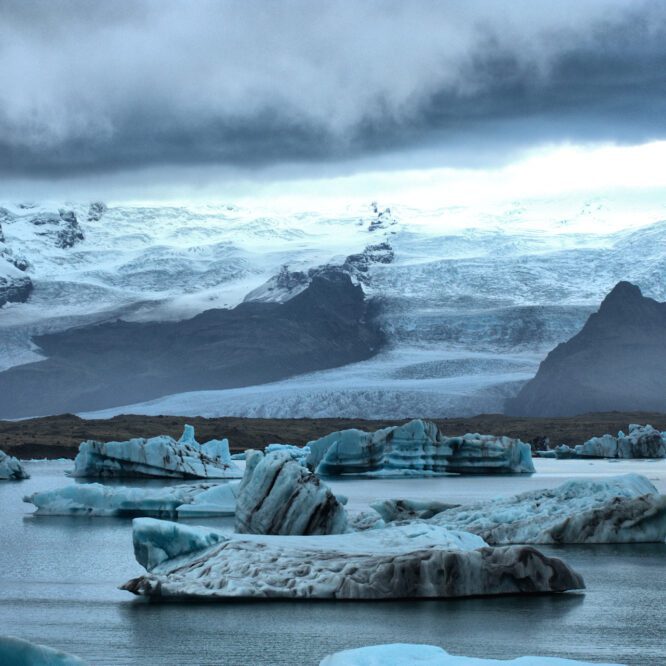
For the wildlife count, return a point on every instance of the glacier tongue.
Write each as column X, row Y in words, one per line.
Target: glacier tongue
column 622, row 509
column 157, row 457
column 418, row 560
column 11, row 468
column 417, row 446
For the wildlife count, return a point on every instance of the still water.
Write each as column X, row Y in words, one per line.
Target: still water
column 59, row 578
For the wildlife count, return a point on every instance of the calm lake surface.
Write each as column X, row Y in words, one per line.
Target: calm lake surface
column 59, row 578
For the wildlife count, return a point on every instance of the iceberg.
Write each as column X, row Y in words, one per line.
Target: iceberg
column 417, row 447
column 406, row 654
column 641, row 442
column 215, row 501
column 622, row 509
column 298, row 453
column 17, row 651
column 399, row 561
column 160, row 456
column 278, row 495
column 11, row 468
column 94, row 499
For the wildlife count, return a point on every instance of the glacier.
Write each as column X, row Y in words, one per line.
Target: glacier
column 474, row 298
column 11, row 468
column 622, row 509
column 278, row 495
column 95, row 499
column 642, row 441
column 17, row 651
column 402, row 561
column 408, row 654
column 417, row 446
column 160, row 456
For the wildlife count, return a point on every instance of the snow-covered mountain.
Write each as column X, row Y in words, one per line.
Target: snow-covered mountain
column 472, row 299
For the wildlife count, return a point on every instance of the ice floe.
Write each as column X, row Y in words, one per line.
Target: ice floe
column 407, row 654
column 160, row 456
column 400, row 561
column 17, row 652
column 11, row 468
column 417, row 447
column 94, row 499
column 278, row 495
column 641, row 442
column 621, row 509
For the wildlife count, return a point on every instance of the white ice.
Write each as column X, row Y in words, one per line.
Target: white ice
column 157, row 457
column 623, row 509
column 411, row 560
column 19, row 652
column 95, row 499
column 11, row 468
column 278, row 495
column 417, row 446
column 405, row 654
column 641, row 442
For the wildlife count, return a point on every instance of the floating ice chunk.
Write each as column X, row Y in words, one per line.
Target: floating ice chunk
column 17, row 652
column 622, row 509
column 94, row 499
column 409, row 560
column 187, row 438
column 218, row 450
column 417, row 447
column 406, row 654
column 405, row 509
column 350, row 451
column 641, row 442
column 157, row 457
column 216, row 501
column 280, row 496
column 11, row 468
column 488, row 454
column 158, row 541
column 298, row 453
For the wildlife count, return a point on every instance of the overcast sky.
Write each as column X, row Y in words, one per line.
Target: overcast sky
column 130, row 92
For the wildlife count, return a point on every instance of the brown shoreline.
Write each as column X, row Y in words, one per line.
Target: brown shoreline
column 60, row 436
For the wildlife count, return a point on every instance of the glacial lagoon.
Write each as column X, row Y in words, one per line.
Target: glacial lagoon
column 59, row 578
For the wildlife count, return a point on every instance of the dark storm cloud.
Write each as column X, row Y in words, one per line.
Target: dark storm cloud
column 103, row 86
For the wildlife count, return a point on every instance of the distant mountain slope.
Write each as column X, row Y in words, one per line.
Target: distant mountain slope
column 473, row 297
column 326, row 325
column 616, row 362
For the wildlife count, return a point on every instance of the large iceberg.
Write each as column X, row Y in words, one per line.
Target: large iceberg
column 160, row 456
column 94, row 499
column 11, row 468
column 406, row 654
column 17, row 652
column 641, row 442
column 417, row 446
column 401, row 561
column 278, row 495
column 622, row 509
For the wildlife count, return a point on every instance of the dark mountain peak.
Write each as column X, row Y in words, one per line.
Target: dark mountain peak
column 623, row 291
column 616, row 362
column 626, row 303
